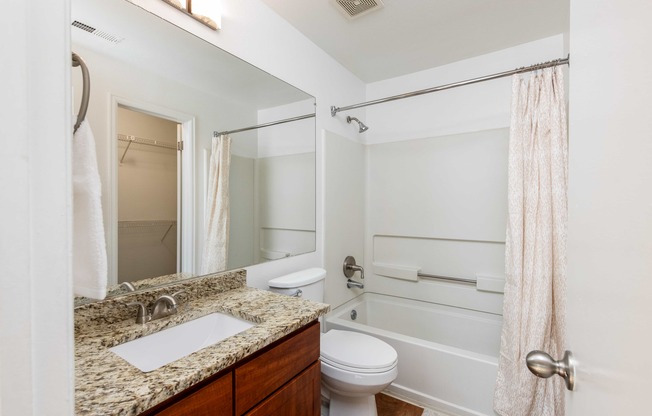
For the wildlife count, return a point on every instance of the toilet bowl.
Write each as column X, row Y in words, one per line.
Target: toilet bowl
column 354, row 366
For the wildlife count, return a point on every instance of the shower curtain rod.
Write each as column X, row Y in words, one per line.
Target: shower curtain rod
column 272, row 123
column 556, row 62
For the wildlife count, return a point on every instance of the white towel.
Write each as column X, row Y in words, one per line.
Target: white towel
column 89, row 248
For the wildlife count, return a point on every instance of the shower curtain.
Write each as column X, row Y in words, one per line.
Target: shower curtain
column 535, row 253
column 216, row 243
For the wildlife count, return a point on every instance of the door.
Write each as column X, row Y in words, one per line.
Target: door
column 609, row 308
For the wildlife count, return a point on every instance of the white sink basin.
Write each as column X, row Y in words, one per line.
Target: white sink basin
column 156, row 350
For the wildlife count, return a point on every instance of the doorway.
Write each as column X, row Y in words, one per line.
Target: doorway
column 148, row 179
column 151, row 213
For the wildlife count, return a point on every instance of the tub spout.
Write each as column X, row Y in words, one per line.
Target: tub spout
column 352, row 283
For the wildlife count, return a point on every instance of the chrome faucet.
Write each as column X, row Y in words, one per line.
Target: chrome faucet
column 165, row 305
column 143, row 315
column 349, row 269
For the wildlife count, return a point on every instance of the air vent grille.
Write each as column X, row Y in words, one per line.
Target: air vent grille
column 82, row 26
column 357, row 8
column 99, row 33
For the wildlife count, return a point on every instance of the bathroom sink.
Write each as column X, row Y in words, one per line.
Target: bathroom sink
column 156, row 350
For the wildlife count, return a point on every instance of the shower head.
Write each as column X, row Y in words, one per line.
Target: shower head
column 363, row 127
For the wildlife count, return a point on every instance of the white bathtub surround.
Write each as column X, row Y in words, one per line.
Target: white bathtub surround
column 217, row 207
column 89, row 259
column 448, row 357
column 535, row 255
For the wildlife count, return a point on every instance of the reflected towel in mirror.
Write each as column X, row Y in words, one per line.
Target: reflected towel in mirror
column 89, row 248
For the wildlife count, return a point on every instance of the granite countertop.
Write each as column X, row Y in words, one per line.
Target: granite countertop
column 107, row 384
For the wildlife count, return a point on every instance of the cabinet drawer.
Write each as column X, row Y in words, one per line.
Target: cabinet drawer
column 213, row 399
column 300, row 397
column 258, row 378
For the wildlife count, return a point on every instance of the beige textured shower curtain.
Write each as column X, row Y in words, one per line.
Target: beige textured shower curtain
column 535, row 254
column 216, row 243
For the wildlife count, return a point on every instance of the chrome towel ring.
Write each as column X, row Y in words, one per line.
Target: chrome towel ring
column 83, row 107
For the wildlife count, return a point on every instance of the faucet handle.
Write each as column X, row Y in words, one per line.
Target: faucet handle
column 349, row 267
column 143, row 315
column 165, row 305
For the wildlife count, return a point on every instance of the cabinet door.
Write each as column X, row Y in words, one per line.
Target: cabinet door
column 261, row 376
column 215, row 399
column 300, row 397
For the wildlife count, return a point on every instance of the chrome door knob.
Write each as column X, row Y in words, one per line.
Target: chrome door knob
column 543, row 365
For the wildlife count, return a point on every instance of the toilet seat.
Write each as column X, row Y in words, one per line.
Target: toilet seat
column 356, row 352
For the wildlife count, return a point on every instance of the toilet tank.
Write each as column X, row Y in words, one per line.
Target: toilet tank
column 310, row 283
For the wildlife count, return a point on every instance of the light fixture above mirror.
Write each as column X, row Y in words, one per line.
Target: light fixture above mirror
column 206, row 12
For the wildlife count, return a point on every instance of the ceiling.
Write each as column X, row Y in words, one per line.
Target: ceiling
column 406, row 36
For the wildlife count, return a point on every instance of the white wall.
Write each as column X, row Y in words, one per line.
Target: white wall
column 288, row 138
column 36, row 351
column 344, row 195
column 242, row 208
column 438, row 204
column 610, row 207
column 285, row 188
column 286, row 182
column 437, row 177
column 273, row 188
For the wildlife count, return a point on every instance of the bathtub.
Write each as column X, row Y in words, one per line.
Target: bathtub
column 447, row 357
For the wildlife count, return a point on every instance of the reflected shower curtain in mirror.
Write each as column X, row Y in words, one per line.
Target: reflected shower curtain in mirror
column 535, row 252
column 216, row 243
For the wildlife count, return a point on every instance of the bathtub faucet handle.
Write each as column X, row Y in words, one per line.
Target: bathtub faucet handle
column 350, row 267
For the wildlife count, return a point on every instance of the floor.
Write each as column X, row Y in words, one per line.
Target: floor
column 391, row 406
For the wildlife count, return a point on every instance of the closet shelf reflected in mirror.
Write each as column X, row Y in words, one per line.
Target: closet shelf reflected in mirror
column 147, row 226
column 144, row 141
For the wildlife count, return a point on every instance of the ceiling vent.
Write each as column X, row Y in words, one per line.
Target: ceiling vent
column 356, row 8
column 99, row 33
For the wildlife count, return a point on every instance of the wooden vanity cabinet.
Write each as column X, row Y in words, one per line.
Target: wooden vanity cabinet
column 214, row 399
column 299, row 397
column 281, row 379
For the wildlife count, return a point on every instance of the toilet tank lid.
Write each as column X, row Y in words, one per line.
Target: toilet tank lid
column 298, row 279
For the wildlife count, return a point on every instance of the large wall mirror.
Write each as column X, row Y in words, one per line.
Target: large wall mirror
column 154, row 85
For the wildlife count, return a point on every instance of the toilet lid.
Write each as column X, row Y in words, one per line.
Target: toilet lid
column 357, row 352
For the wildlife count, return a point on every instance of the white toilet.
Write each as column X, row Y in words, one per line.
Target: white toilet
column 354, row 366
